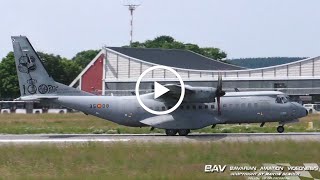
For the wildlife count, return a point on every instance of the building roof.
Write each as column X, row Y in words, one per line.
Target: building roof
column 175, row 58
column 252, row 63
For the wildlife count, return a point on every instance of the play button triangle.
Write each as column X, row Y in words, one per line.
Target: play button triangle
column 159, row 90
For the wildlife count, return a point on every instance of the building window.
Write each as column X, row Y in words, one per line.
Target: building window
column 200, row 106
column 279, row 85
column 212, row 106
column 206, row 106
column 194, row 107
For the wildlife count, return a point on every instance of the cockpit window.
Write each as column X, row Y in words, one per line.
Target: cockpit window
column 278, row 100
column 282, row 99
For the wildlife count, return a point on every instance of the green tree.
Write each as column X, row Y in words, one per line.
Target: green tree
column 9, row 87
column 168, row 42
column 83, row 58
column 70, row 71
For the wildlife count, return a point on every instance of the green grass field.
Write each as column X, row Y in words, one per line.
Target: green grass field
column 80, row 123
column 146, row 161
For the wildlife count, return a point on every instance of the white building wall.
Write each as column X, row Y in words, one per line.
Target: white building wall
column 120, row 67
column 256, row 73
column 135, row 68
column 123, row 71
column 206, row 75
column 158, row 73
column 232, row 74
column 243, row 74
column 317, row 67
column 281, row 71
column 268, row 72
column 145, row 67
column 194, row 74
column 306, row 68
column 111, row 63
column 294, row 69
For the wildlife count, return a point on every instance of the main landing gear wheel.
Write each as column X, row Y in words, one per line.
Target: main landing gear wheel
column 171, row 132
column 183, row 132
column 280, row 129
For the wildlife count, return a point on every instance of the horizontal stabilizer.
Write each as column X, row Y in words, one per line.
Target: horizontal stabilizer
column 35, row 98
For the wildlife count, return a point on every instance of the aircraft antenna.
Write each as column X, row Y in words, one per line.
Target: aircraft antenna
column 132, row 7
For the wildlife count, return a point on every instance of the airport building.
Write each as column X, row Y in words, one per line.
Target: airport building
column 115, row 70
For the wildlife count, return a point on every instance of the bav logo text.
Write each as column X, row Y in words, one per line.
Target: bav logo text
column 214, row 168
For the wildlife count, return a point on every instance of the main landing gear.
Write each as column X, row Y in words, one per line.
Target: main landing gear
column 280, row 129
column 181, row 132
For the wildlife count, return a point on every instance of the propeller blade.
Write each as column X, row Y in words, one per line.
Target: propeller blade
column 219, row 107
column 219, row 93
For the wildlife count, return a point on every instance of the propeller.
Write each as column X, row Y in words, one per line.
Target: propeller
column 219, row 93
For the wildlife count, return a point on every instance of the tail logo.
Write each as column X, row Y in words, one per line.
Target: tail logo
column 32, row 89
column 26, row 64
column 43, row 89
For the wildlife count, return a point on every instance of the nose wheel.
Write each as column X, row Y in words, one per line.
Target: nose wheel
column 181, row 132
column 280, row 129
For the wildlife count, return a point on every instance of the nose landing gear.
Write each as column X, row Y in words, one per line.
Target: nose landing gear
column 181, row 132
column 280, row 129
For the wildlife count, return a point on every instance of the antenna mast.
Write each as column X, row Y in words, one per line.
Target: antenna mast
column 131, row 7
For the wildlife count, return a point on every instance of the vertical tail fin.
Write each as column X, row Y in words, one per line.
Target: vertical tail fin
column 33, row 77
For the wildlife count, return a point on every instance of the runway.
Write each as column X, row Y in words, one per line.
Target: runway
column 156, row 138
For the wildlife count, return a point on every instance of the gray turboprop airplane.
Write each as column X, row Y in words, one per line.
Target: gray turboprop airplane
column 200, row 107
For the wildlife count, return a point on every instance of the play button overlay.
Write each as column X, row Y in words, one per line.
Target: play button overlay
column 160, row 90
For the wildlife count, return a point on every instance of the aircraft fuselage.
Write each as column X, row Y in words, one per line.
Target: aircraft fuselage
column 235, row 109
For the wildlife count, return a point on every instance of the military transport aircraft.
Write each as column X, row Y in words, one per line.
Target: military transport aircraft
column 200, row 107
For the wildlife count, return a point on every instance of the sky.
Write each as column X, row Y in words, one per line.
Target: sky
column 241, row 28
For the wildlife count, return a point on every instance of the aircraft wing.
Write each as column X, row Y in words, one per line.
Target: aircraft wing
column 175, row 90
column 179, row 121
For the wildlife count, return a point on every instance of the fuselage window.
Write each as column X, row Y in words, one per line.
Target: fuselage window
column 255, row 105
column 206, row 106
column 163, row 108
column 243, row 105
column 181, row 107
column 188, row 107
column 200, row 106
